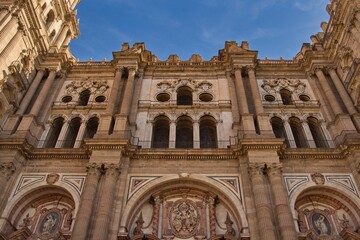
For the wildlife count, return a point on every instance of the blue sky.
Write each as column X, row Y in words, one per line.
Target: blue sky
column 276, row 28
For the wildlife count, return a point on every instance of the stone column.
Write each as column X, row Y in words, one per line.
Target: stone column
column 62, row 136
column 323, row 104
column 115, row 91
column 103, row 215
column 289, row 134
column 121, row 122
column 5, row 36
column 172, row 134
column 30, row 93
column 156, row 216
column 41, row 99
column 281, row 202
column 88, row 195
column 80, row 135
column 262, row 205
column 255, row 90
column 212, row 217
column 308, row 134
column 328, row 91
column 196, row 134
column 61, row 37
column 4, row 11
column 342, row 91
column 240, row 92
column 248, row 198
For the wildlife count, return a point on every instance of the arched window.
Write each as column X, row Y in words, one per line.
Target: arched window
column 184, row 96
column 184, row 132
column 278, row 128
column 316, row 132
column 286, row 96
column 208, row 134
column 72, row 132
column 54, row 132
column 91, row 127
column 84, row 98
column 160, row 133
column 50, row 17
column 298, row 133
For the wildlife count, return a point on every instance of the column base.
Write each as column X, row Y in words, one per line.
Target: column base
column 11, row 123
column 104, row 126
column 356, row 120
column 342, row 128
column 248, row 126
column 121, row 126
column 266, row 130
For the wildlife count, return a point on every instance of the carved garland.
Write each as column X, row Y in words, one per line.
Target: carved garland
column 273, row 86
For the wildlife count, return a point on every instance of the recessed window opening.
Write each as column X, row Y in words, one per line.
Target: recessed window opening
column 184, row 96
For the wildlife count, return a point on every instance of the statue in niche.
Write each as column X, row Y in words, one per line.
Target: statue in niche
column 26, row 221
column 321, row 224
column 48, row 224
column 229, row 226
column 139, row 224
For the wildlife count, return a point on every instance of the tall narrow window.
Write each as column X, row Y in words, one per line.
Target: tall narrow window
column 184, row 96
column 298, row 133
column 208, row 134
column 91, row 127
column 54, row 132
column 50, row 17
column 316, row 132
column 278, row 129
column 160, row 134
column 84, row 98
column 286, row 96
column 184, row 133
column 72, row 132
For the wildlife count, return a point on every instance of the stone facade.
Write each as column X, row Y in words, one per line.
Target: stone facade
column 137, row 148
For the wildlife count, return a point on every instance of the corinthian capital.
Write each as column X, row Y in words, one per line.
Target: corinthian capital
column 93, row 169
column 112, row 169
column 256, row 169
column 274, row 169
column 249, row 68
column 7, row 169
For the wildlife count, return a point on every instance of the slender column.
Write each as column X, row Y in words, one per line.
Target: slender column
column 4, row 52
column 319, row 95
column 156, row 212
column 41, row 99
column 262, row 205
column 80, row 135
column 106, row 202
column 84, row 213
column 308, row 134
column 61, row 37
column 129, row 90
column 240, row 92
column 254, row 90
column 248, row 198
column 342, row 91
column 6, row 170
column 115, row 92
column 328, row 91
column 212, row 216
column 196, row 133
column 289, row 134
column 62, row 135
column 172, row 134
column 30, row 92
column 5, row 32
column 3, row 13
column 283, row 212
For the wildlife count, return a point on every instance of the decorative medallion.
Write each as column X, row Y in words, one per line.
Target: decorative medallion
column 184, row 218
column 49, row 224
column 321, row 224
column 318, row 178
column 52, row 178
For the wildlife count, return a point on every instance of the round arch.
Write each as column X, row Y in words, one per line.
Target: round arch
column 194, row 182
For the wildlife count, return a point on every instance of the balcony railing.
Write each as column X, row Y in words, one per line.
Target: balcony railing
column 149, row 103
column 185, row 145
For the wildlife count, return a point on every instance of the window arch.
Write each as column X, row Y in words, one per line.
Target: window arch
column 160, row 133
column 184, row 96
column 286, row 96
column 298, row 133
column 316, row 132
column 54, row 132
column 208, row 133
column 72, row 132
column 50, row 18
column 279, row 129
column 84, row 98
column 91, row 127
column 184, row 132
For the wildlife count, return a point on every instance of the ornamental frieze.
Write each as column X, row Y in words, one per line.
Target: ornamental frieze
column 75, row 87
column 275, row 85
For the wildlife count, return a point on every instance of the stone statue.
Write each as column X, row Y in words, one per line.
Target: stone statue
column 229, row 228
column 139, row 224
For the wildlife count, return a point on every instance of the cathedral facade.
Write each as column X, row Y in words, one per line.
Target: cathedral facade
column 139, row 148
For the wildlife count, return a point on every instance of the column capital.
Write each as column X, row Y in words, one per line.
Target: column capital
column 274, row 169
column 256, row 169
column 7, row 169
column 249, row 68
column 93, row 169
column 331, row 68
column 111, row 169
